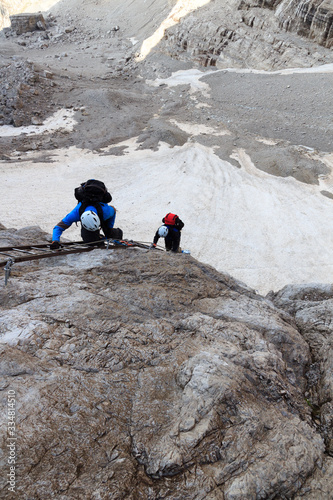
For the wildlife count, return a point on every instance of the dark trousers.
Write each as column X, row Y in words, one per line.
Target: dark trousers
column 90, row 236
column 172, row 241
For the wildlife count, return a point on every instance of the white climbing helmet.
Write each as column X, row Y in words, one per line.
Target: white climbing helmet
column 90, row 220
column 163, row 231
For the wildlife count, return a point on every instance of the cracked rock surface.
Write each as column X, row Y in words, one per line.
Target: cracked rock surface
column 140, row 374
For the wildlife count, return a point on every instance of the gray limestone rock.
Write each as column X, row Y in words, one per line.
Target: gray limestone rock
column 140, row 374
column 312, row 308
column 24, row 90
column 248, row 33
column 312, row 19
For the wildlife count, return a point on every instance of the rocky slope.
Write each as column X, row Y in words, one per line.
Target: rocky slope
column 246, row 33
column 139, row 374
column 38, row 68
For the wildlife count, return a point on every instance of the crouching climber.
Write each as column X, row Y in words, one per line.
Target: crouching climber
column 94, row 213
column 170, row 231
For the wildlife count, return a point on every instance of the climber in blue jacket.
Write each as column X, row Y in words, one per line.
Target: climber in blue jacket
column 93, row 219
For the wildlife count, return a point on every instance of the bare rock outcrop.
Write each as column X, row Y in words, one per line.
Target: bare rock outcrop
column 23, row 23
column 10, row 8
column 312, row 19
column 139, row 374
column 247, row 34
column 311, row 307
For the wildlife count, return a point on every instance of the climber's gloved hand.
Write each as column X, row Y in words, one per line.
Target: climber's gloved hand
column 153, row 245
column 55, row 245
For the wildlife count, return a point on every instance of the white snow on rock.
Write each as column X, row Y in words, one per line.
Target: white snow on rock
column 191, row 77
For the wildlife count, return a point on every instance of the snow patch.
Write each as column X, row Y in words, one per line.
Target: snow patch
column 198, row 129
column 61, row 120
column 264, row 230
column 191, row 77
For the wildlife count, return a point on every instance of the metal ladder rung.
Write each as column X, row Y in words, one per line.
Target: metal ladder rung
column 40, row 249
column 20, row 250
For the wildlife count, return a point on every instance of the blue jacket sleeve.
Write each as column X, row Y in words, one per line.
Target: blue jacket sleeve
column 65, row 223
column 109, row 214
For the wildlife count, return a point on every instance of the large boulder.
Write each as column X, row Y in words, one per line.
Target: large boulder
column 141, row 374
column 22, row 23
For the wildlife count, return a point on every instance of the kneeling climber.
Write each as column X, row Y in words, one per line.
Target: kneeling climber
column 170, row 231
column 93, row 212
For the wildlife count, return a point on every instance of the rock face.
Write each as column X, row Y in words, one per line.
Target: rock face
column 10, row 8
column 22, row 23
column 139, row 374
column 311, row 19
column 248, row 34
column 311, row 307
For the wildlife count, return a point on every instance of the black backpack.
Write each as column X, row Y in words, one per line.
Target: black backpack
column 92, row 191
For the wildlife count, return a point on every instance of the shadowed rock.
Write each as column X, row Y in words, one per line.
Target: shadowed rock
column 312, row 308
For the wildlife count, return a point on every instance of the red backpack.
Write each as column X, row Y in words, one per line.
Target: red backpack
column 170, row 219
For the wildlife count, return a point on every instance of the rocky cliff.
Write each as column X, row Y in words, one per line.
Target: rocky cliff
column 139, row 374
column 310, row 19
column 251, row 34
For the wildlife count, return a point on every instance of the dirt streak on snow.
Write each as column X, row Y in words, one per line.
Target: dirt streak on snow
column 266, row 231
